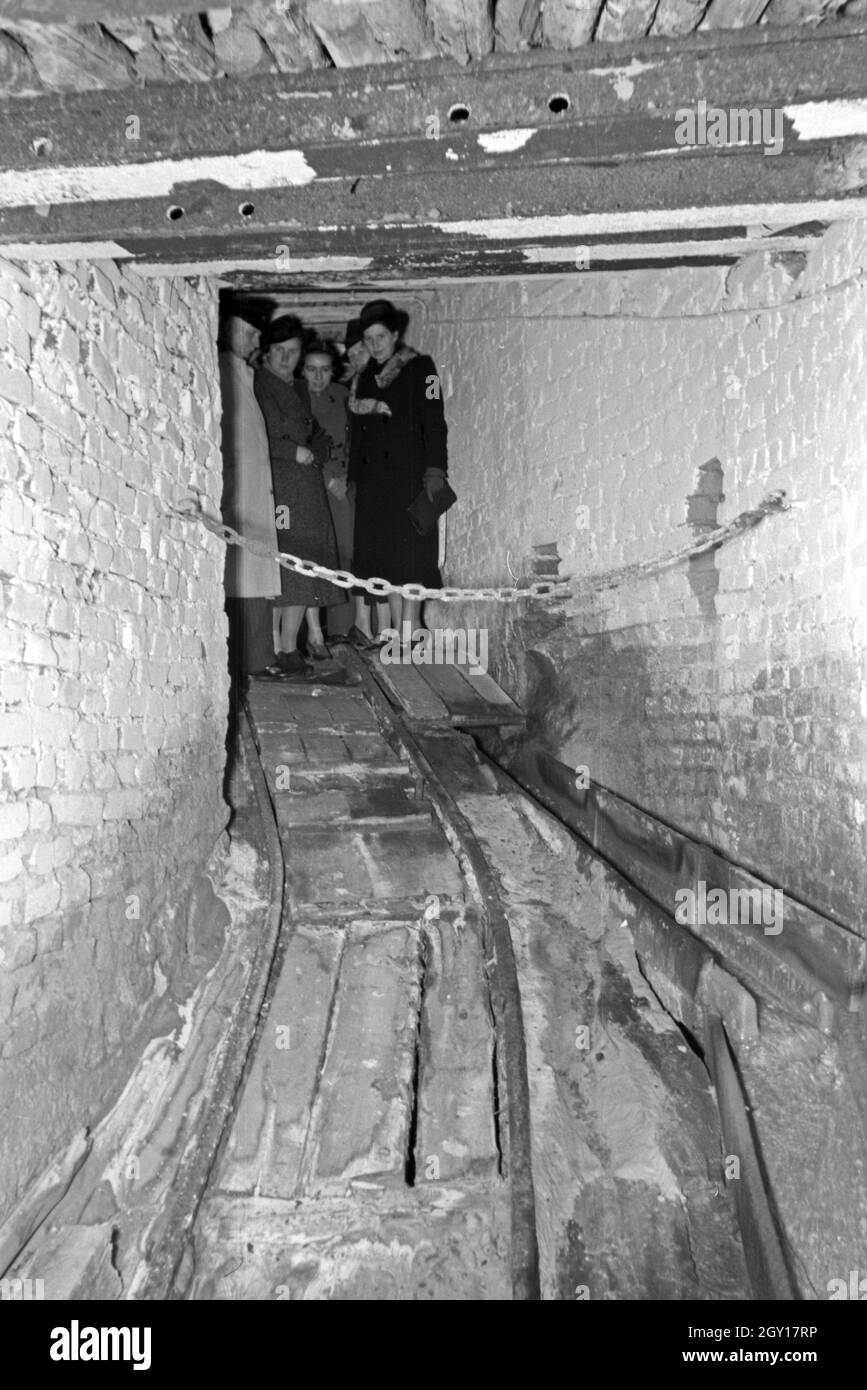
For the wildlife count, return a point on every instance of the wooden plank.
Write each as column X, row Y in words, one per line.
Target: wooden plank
column 402, row 1245
column 602, row 156
column 675, row 17
column 359, row 863
column 374, row 806
column 264, row 1151
column 361, row 1116
column 412, row 693
column 486, row 687
column 459, row 695
column 569, row 23
column 625, row 19
column 287, row 111
column 456, row 1134
column 348, row 775
column 81, row 10
column 732, row 14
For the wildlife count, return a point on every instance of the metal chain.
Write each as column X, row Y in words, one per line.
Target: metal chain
column 191, row 508
column 380, row 588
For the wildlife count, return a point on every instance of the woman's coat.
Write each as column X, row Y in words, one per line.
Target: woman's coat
column 389, row 455
column 248, row 494
column 299, row 487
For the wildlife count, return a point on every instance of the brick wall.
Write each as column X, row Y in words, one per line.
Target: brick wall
column 113, row 680
column 728, row 698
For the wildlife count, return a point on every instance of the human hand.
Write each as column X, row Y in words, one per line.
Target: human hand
column 337, row 487
column 383, row 408
column 303, row 455
column 433, row 482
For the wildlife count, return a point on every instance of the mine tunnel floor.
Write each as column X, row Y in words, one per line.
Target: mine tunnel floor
column 356, row 1133
column 366, row 1158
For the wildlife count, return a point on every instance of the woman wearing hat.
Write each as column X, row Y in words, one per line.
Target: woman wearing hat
column 328, row 403
column 361, row 632
column 299, row 449
column 398, row 448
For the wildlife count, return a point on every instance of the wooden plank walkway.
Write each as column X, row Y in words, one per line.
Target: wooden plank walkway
column 446, row 694
column 374, row 1069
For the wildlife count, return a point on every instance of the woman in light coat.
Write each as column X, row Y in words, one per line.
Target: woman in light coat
column 252, row 582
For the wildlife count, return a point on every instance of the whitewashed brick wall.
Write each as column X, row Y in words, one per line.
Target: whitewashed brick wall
column 610, row 391
column 113, row 681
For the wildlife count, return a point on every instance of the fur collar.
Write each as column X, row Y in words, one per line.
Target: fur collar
column 367, row 405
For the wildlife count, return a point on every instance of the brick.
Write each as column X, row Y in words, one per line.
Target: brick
column 11, row 865
column 42, row 900
column 40, row 814
column 13, row 820
column 20, row 770
column 55, row 414
column 16, row 730
column 15, row 385
column 51, row 854
column 80, row 809
column 123, row 805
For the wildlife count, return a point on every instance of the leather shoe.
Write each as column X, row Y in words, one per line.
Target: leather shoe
column 292, row 663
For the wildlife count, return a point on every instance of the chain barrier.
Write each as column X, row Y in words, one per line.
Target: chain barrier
column 191, row 509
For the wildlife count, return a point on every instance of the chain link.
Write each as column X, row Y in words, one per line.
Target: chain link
column 191, row 509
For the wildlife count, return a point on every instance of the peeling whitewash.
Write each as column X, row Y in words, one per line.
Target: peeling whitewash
column 622, row 78
column 505, row 141
column 155, row 179
column 586, row 224
column 828, row 120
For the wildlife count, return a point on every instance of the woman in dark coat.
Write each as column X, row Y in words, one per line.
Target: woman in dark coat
column 398, row 447
column 299, row 449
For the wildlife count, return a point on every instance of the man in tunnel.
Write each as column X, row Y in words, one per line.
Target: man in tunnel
column 252, row 581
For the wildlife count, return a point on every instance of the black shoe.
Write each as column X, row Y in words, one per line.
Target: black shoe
column 292, row 663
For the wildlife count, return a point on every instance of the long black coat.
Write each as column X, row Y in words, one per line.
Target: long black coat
column 388, row 457
column 300, row 487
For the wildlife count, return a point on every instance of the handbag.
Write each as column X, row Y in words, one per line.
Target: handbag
column 425, row 513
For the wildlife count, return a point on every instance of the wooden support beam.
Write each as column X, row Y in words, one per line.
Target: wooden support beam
column 86, row 11
column 340, row 164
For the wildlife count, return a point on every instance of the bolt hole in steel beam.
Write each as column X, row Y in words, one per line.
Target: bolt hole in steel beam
column 174, row 213
column 459, row 113
column 558, row 103
column 246, row 209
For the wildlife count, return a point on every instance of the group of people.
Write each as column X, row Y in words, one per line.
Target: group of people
column 324, row 454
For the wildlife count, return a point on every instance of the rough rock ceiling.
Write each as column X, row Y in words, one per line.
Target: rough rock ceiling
column 110, row 46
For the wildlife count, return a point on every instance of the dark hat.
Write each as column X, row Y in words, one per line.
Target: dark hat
column 384, row 312
column 354, row 333
column 280, row 330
